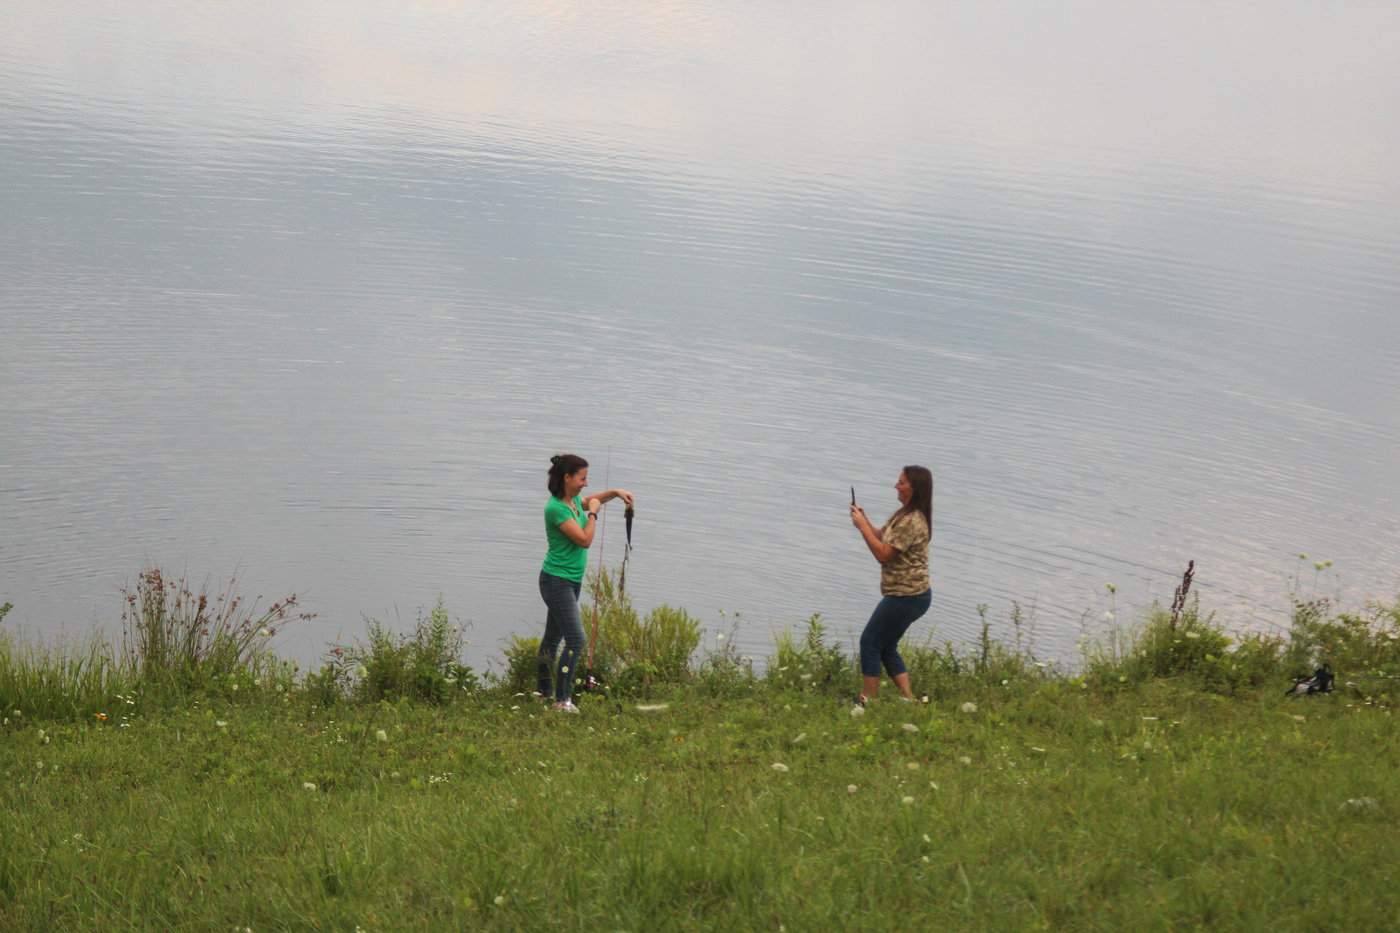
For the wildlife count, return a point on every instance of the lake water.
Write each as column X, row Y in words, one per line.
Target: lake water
column 310, row 293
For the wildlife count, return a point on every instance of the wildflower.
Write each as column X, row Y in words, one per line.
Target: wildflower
column 381, row 736
column 263, row 632
column 927, row 839
column 912, row 766
column 851, row 788
column 1327, row 563
column 1108, row 616
column 221, row 724
column 933, row 785
column 1302, row 557
column 968, row 707
column 1301, row 718
column 805, row 677
column 307, row 785
column 679, row 738
column 779, row 767
column 857, row 711
column 910, row 727
column 907, row 801
column 652, row 707
column 564, row 669
column 799, row 738
column 500, row 900
column 964, row 759
column 101, row 716
column 1110, row 587
column 1360, row 803
column 719, row 637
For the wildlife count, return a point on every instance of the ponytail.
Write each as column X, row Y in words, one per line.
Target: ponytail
column 560, row 466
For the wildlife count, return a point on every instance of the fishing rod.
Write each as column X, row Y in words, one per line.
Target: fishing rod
column 589, row 683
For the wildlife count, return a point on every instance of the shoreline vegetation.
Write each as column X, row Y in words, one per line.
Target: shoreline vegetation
column 186, row 778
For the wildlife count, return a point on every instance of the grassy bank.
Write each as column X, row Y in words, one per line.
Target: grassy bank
column 1167, row 785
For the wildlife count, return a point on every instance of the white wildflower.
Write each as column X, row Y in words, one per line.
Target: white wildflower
column 779, row 767
column 799, row 738
column 381, row 736
column 968, row 707
column 851, row 788
column 907, row 801
column 857, row 711
column 910, row 727
column 308, row 786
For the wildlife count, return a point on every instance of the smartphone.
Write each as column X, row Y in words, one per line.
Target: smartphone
column 853, row 495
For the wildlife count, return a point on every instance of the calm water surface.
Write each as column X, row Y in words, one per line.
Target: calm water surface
column 311, row 294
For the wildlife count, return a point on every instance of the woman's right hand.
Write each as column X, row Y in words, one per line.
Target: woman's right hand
column 858, row 515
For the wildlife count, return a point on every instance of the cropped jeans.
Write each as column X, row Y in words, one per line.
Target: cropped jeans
column 563, row 623
column 879, row 643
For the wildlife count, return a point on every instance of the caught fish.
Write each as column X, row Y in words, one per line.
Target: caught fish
column 622, row 574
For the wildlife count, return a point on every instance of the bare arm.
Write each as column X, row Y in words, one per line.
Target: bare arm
column 611, row 494
column 582, row 535
column 580, row 531
column 873, row 539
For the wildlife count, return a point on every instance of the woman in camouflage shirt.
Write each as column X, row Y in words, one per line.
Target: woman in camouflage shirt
column 901, row 547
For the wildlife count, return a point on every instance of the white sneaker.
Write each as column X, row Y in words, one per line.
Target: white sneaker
column 565, row 707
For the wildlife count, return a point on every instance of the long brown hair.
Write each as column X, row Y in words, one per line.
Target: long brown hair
column 560, row 466
column 920, row 495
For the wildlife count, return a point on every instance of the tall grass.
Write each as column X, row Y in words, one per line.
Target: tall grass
column 722, row 800
column 424, row 665
column 639, row 650
column 180, row 638
column 61, row 680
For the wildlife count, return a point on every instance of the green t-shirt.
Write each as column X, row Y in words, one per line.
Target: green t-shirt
column 565, row 558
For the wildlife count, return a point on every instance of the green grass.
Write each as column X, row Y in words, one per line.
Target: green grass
column 1166, row 785
column 1048, row 807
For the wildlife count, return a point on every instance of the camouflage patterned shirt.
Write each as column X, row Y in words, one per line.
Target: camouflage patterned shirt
column 906, row 574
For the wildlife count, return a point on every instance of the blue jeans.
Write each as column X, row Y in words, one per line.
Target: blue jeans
column 563, row 623
column 879, row 643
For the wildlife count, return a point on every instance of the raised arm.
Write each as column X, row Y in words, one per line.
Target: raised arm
column 611, row 494
column 873, row 539
column 582, row 535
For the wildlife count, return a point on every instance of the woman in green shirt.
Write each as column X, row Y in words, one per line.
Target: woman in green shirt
column 569, row 523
